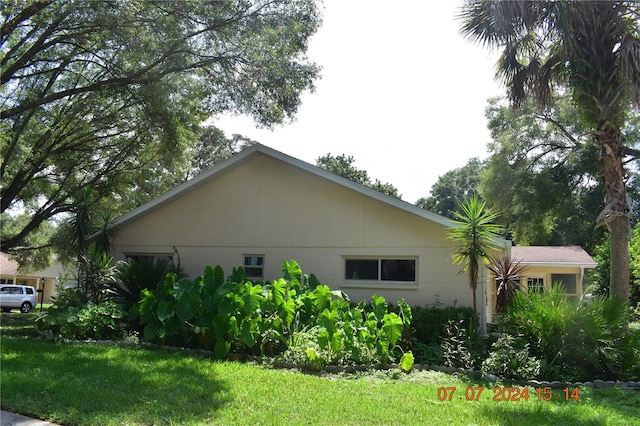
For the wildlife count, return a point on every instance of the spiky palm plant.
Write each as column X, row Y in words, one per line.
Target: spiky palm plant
column 475, row 232
column 507, row 273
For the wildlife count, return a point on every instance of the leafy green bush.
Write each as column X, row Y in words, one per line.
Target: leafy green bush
column 575, row 340
column 509, row 358
column 265, row 318
column 103, row 321
column 134, row 275
column 427, row 354
column 429, row 322
column 462, row 345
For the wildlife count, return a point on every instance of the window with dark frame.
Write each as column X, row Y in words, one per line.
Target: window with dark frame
column 253, row 265
column 535, row 285
column 380, row 269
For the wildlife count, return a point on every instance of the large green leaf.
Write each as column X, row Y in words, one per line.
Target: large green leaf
column 252, row 297
column 187, row 306
column 405, row 309
column 312, row 282
column 392, row 328
column 321, row 297
column 287, row 311
column 406, row 362
column 292, row 272
column 165, row 310
column 328, row 319
column 146, row 306
column 337, row 341
column 278, row 289
column 249, row 332
column 379, row 305
column 150, row 331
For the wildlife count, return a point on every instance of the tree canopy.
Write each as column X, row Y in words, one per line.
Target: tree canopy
column 542, row 175
column 453, row 188
column 213, row 147
column 110, row 95
column 342, row 165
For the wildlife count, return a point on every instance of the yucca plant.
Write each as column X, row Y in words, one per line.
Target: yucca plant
column 475, row 233
column 507, row 273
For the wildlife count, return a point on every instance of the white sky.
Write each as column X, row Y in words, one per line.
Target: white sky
column 401, row 91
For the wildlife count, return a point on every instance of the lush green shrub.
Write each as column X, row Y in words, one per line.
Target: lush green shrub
column 265, row 318
column 427, row 354
column 462, row 345
column 575, row 340
column 134, row 275
column 429, row 322
column 509, row 358
column 103, row 321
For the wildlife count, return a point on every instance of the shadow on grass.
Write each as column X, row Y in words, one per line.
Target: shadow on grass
column 89, row 384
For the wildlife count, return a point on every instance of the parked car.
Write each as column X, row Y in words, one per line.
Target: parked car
column 21, row 297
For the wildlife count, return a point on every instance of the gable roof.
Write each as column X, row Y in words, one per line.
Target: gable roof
column 258, row 149
column 553, row 255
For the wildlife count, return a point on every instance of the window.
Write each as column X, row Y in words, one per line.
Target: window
column 380, row 269
column 535, row 285
column 569, row 282
column 253, row 266
column 6, row 280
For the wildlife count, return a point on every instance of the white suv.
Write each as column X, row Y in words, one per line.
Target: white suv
column 21, row 297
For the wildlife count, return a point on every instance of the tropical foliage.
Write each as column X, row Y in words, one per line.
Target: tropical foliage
column 574, row 339
column 242, row 316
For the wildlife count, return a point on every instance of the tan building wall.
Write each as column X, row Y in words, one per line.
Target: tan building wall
column 271, row 208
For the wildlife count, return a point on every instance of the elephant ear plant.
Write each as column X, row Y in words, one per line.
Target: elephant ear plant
column 269, row 319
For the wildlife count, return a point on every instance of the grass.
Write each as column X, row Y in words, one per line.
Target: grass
column 96, row 384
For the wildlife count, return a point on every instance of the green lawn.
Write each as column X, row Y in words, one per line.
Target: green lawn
column 107, row 385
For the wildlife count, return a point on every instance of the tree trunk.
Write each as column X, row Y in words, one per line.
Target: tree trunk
column 615, row 213
column 619, row 229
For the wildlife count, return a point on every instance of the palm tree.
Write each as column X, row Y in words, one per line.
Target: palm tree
column 588, row 50
column 475, row 233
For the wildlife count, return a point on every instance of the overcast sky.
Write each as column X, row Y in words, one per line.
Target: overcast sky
column 401, row 91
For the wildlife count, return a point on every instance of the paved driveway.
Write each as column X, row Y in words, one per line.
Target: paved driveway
column 11, row 419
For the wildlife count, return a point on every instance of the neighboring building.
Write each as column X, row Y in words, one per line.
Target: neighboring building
column 45, row 279
column 545, row 266
column 262, row 207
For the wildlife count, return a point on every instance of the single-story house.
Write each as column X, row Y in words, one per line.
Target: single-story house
column 44, row 281
column 262, row 207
